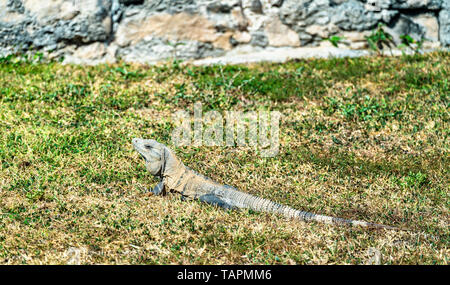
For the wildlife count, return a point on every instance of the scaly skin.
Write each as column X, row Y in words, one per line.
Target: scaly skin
column 174, row 176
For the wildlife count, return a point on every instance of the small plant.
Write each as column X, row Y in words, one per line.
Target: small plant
column 379, row 39
column 38, row 57
column 334, row 40
column 415, row 180
column 7, row 59
column 409, row 42
column 27, row 58
column 125, row 73
column 175, row 62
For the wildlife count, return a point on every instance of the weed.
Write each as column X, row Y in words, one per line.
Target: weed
column 379, row 39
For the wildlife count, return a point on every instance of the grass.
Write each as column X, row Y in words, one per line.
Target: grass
column 363, row 138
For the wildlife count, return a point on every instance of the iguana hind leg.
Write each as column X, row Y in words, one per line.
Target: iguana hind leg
column 215, row 200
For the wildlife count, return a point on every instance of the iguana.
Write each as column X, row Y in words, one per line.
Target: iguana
column 174, row 176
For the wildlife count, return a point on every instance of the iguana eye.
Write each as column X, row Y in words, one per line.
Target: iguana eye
column 147, row 146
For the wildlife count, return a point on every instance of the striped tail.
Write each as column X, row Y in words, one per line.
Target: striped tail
column 229, row 197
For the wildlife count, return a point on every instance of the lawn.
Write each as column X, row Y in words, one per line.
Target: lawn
column 364, row 138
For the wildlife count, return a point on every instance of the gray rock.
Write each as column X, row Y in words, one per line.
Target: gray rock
column 207, row 27
column 378, row 5
column 171, row 6
column 430, row 24
column 445, row 4
column 116, row 14
column 281, row 55
column 156, row 49
column 444, row 27
column 218, row 7
column 351, row 15
column 305, row 38
column 15, row 6
column 43, row 28
column 405, row 4
column 299, row 14
column 5, row 51
column 348, row 16
column 16, row 36
column 256, row 7
column 405, row 25
column 259, row 38
column 276, row 3
column 416, row 4
column 131, row 2
column 388, row 15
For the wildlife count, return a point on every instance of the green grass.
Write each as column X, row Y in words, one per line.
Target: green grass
column 363, row 138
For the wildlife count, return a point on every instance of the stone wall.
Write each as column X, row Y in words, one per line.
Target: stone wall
column 94, row 31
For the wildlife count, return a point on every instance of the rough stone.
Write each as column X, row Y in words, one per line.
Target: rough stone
column 352, row 40
column 234, row 20
column 181, row 26
column 176, row 27
column 280, row 55
column 68, row 11
column 154, row 49
column 276, row 3
column 445, row 5
column 239, row 19
column 171, row 6
column 321, row 31
column 198, row 28
column 218, row 7
column 279, row 34
column 46, row 24
column 351, row 15
column 299, row 13
column 242, row 37
column 430, row 25
column 405, row 25
column 388, row 15
column 444, row 27
column 12, row 17
column 43, row 11
column 131, row 2
column 259, row 38
column 93, row 51
column 91, row 54
column 14, row 6
column 223, row 41
column 416, row 4
column 377, row 5
column 359, row 45
column 355, row 36
column 256, row 7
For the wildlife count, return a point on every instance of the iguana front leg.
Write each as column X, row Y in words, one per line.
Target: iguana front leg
column 159, row 189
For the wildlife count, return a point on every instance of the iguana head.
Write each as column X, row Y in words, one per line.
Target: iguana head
column 159, row 159
column 153, row 154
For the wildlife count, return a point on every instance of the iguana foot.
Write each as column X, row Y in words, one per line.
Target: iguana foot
column 158, row 190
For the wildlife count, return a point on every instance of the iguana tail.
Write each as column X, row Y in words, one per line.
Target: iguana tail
column 229, row 197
